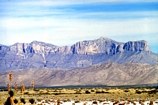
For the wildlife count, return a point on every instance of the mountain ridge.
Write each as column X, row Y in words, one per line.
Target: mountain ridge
column 81, row 54
column 130, row 44
column 109, row 74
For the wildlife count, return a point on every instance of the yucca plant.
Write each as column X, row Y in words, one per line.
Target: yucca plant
column 10, row 78
column 15, row 86
column 22, row 87
column 8, row 87
column 32, row 85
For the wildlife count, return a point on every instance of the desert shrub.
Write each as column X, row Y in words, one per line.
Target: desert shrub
column 138, row 92
column 56, row 94
column 36, row 90
column 99, row 92
column 2, row 89
column 5, row 89
column 144, row 91
column 92, row 90
column 106, row 92
column 23, row 100
column 152, row 92
column 26, row 93
column 102, row 91
column 126, row 90
column 77, row 101
column 11, row 93
column 95, row 102
column 87, row 92
column 55, row 90
column 78, row 92
column 32, row 101
column 15, row 101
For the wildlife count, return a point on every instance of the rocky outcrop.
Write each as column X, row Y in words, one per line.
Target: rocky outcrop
column 108, row 46
column 101, row 45
column 136, row 46
column 3, row 49
column 84, row 53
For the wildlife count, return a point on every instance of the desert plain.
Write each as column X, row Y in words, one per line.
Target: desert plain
column 84, row 94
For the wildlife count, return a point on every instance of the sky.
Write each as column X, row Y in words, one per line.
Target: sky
column 65, row 22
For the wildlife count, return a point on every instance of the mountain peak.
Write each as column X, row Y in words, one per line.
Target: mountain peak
column 37, row 42
column 104, row 38
column 140, row 45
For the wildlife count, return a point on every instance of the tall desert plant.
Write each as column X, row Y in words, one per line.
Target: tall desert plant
column 8, row 87
column 10, row 78
column 32, row 85
column 22, row 88
column 15, row 86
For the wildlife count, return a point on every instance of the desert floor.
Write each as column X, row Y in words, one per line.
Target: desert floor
column 81, row 94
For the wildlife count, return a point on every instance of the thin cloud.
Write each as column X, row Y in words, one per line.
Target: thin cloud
column 78, row 28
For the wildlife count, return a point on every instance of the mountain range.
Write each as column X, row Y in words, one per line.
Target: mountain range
column 81, row 54
column 92, row 62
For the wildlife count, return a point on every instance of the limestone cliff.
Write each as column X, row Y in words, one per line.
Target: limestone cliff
column 136, row 46
column 108, row 46
column 101, row 45
column 84, row 53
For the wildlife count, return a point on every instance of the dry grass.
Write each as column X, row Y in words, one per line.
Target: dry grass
column 85, row 94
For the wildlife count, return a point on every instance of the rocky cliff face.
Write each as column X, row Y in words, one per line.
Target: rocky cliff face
column 3, row 50
column 108, row 46
column 136, row 46
column 101, row 45
column 33, row 47
column 84, row 53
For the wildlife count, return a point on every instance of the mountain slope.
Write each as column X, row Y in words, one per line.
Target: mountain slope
column 82, row 54
column 100, row 74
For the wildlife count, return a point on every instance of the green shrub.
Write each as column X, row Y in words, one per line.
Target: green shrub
column 11, row 93
column 23, row 100
column 99, row 92
column 15, row 101
column 138, row 92
column 32, row 101
column 152, row 92
column 92, row 90
column 87, row 92
column 126, row 90
column 26, row 93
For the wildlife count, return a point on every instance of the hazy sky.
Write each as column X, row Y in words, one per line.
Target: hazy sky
column 64, row 22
